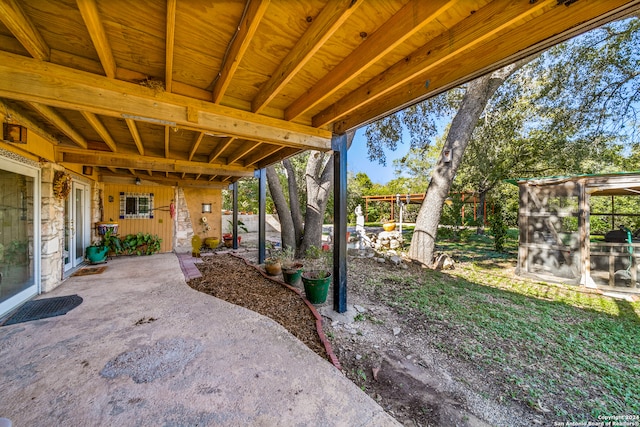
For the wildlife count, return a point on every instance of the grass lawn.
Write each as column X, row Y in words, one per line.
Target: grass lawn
column 562, row 350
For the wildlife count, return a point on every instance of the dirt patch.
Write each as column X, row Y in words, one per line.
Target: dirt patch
column 389, row 350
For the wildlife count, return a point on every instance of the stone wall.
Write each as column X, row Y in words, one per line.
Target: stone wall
column 182, row 224
column 52, row 231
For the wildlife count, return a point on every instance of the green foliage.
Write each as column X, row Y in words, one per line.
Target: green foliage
column 141, row 244
column 111, row 241
column 241, row 226
column 16, row 252
column 498, row 227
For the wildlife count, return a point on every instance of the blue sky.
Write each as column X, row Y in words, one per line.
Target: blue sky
column 358, row 159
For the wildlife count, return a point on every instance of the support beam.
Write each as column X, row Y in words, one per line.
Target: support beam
column 18, row 115
column 222, row 145
column 26, row 79
column 239, row 44
column 114, row 177
column 261, row 155
column 234, row 186
column 170, row 38
column 14, row 18
column 91, row 17
column 166, row 141
column 159, row 164
column 339, row 146
column 261, row 174
column 97, row 125
column 195, row 146
column 136, row 135
column 243, row 151
column 324, row 25
column 414, row 16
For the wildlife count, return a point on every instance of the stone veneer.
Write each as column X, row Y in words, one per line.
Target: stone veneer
column 51, row 230
column 182, row 224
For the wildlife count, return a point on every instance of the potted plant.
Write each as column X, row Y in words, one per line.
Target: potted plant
column 316, row 282
column 228, row 237
column 291, row 269
column 272, row 266
column 97, row 253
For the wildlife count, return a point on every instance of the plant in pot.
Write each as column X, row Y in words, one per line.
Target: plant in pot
column 97, row 253
column 316, row 282
column 228, row 237
column 291, row 269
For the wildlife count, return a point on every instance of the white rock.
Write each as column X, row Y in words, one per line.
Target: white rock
column 395, row 260
column 335, row 323
column 380, row 260
column 359, row 308
column 396, row 331
column 358, row 357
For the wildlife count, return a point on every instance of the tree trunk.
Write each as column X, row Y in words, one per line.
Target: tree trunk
column 287, row 233
column 319, row 180
column 482, row 197
column 296, row 215
column 473, row 103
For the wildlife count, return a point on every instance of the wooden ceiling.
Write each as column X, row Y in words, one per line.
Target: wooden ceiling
column 203, row 92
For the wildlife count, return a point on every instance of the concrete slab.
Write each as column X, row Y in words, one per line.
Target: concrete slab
column 145, row 349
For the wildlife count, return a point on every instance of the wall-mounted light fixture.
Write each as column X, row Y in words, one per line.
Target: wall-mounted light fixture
column 138, row 182
column 14, row 133
column 87, row 170
column 206, row 208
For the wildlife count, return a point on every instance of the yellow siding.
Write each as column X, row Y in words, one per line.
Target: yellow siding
column 195, row 197
column 161, row 223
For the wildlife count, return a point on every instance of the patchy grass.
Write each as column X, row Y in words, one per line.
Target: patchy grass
column 561, row 350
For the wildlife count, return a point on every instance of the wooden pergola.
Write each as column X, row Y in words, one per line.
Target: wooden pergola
column 203, row 93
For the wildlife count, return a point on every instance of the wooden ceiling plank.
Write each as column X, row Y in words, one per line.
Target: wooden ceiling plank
column 401, row 26
column 16, row 114
column 27, row 79
column 242, row 152
column 196, row 144
column 328, row 21
column 158, row 164
column 170, row 40
column 15, row 19
column 239, row 44
column 97, row 125
column 222, row 145
column 508, row 48
column 131, row 124
column 91, row 17
column 486, row 23
column 261, row 155
column 60, row 123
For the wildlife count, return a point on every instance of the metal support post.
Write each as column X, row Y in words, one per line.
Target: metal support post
column 339, row 147
column 235, row 214
column 261, row 174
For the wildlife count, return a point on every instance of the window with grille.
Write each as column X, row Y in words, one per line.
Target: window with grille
column 136, row 205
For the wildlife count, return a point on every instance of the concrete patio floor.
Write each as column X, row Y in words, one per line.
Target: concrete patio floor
column 144, row 349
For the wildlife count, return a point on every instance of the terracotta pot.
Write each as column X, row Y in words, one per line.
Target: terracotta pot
column 273, row 268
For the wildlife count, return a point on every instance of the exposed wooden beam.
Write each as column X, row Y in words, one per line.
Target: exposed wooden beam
column 112, row 169
column 324, row 25
column 509, row 46
column 14, row 18
column 286, row 152
column 167, row 134
column 91, row 17
column 239, row 44
column 30, row 80
column 149, row 172
column 131, row 124
column 169, row 181
column 60, row 123
column 405, row 23
column 473, row 31
column 170, row 38
column 243, row 151
column 16, row 114
column 97, row 125
column 195, row 146
column 222, row 145
column 159, row 164
column 132, row 171
column 261, row 155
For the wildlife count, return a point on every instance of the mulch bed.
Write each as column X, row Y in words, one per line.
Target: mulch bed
column 231, row 279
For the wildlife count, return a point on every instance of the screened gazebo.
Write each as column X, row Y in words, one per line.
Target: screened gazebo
column 581, row 229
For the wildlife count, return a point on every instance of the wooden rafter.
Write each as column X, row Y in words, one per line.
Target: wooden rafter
column 286, row 152
column 166, row 180
column 160, row 164
column 222, row 145
column 167, row 134
column 170, row 39
column 196, row 144
column 131, row 124
column 30, row 80
column 243, row 151
column 14, row 18
column 508, row 47
column 59, row 122
column 261, row 155
column 410, row 19
column 16, row 114
column 97, row 125
column 239, row 44
column 91, row 17
column 326, row 23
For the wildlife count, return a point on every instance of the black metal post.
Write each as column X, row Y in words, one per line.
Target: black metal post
column 235, row 215
column 339, row 147
column 261, row 174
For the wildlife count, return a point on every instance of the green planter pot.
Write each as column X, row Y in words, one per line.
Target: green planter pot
column 97, row 254
column 292, row 275
column 316, row 288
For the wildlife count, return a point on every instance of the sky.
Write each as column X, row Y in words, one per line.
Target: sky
column 358, row 159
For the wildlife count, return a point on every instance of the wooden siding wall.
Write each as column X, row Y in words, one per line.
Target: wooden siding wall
column 161, row 223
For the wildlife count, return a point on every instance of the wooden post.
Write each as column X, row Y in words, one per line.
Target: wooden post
column 584, row 233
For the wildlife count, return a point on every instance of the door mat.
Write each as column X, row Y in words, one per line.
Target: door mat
column 89, row 270
column 43, row 308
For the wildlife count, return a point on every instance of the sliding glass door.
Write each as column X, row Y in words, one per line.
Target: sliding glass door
column 19, row 233
column 76, row 230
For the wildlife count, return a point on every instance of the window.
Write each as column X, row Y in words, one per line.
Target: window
column 136, row 205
